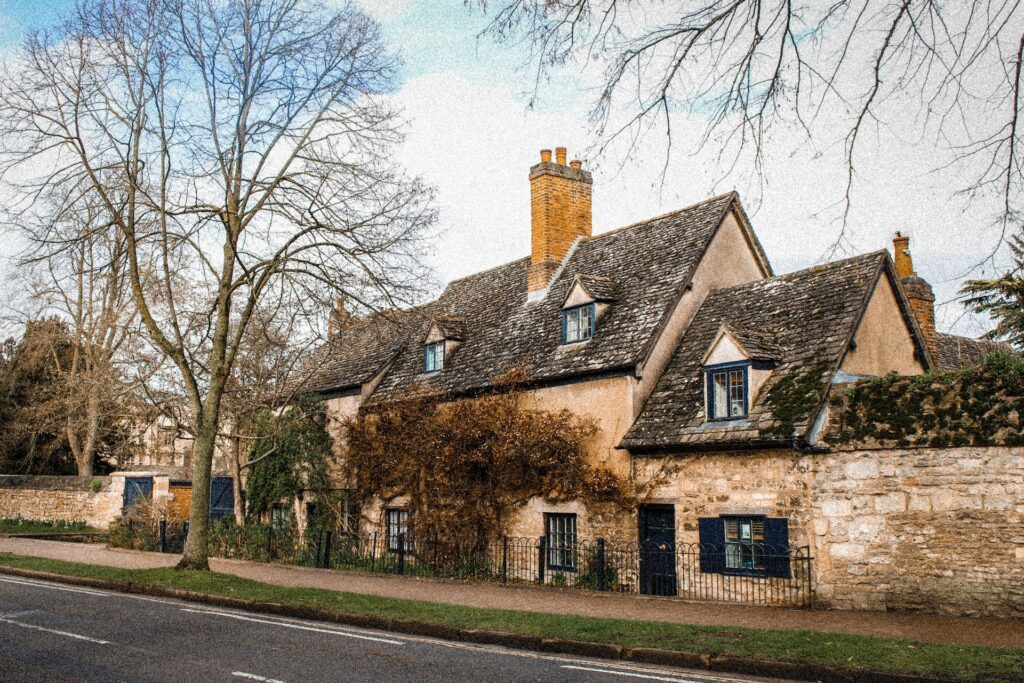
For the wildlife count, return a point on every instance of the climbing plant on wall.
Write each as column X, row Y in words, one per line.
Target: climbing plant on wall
column 291, row 453
column 978, row 406
column 466, row 465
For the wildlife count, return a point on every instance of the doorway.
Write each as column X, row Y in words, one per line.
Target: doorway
column 657, row 550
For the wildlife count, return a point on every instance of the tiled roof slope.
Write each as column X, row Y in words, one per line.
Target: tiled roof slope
column 361, row 349
column 810, row 315
column 649, row 264
column 953, row 352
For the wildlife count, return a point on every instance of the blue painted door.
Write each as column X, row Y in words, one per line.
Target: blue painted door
column 222, row 497
column 137, row 488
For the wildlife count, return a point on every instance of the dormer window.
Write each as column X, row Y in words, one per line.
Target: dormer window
column 433, row 356
column 578, row 323
column 728, row 391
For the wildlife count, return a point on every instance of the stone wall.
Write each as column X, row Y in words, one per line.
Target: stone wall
column 68, row 499
column 938, row 530
column 929, row 529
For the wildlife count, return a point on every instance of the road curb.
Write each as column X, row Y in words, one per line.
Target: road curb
column 688, row 660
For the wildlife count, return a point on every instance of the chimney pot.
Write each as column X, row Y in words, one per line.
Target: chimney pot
column 560, row 214
column 576, row 163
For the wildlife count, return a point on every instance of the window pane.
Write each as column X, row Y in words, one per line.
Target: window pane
column 720, row 381
column 738, row 403
column 732, row 532
column 561, row 540
column 578, row 323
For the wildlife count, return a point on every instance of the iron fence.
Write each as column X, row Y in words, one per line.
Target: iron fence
column 769, row 576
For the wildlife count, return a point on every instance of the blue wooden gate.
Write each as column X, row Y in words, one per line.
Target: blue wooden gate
column 136, row 488
column 222, row 497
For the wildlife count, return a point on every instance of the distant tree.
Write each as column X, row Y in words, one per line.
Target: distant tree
column 85, row 284
column 742, row 71
column 247, row 145
column 1002, row 298
column 32, row 437
column 35, row 411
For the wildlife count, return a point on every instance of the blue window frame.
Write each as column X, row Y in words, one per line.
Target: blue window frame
column 433, row 357
column 578, row 323
column 750, row 545
column 727, row 391
column 560, row 534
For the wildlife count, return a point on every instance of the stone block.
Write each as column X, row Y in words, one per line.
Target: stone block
column 867, row 528
column 848, row 551
column 891, row 502
column 864, row 468
column 836, row 507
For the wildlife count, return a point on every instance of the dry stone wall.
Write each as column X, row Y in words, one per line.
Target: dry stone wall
column 68, row 499
column 926, row 529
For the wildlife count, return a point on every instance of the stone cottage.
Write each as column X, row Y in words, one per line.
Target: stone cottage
column 712, row 376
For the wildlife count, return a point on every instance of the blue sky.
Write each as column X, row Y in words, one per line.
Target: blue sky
column 472, row 135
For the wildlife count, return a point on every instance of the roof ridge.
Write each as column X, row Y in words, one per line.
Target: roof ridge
column 828, row 264
column 733, row 193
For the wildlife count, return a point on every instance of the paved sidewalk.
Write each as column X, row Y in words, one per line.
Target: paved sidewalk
column 931, row 628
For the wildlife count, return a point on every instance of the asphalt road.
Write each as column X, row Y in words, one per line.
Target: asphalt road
column 54, row 632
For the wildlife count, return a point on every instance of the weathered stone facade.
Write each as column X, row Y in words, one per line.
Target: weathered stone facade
column 68, row 499
column 938, row 530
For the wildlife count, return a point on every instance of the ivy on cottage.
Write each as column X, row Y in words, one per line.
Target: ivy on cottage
column 291, row 452
column 977, row 406
column 466, row 465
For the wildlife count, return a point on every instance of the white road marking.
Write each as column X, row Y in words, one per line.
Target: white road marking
column 67, row 634
column 299, row 627
column 24, row 582
column 630, row 674
column 254, row 677
column 491, row 649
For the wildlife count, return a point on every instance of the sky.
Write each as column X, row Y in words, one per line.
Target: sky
column 472, row 134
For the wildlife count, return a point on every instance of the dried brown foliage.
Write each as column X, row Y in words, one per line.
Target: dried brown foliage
column 466, row 465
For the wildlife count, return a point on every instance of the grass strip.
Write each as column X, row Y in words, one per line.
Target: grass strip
column 892, row 656
column 30, row 526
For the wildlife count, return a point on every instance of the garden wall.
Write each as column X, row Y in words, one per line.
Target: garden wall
column 68, row 499
column 932, row 529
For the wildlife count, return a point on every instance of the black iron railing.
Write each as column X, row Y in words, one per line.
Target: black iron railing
column 769, row 576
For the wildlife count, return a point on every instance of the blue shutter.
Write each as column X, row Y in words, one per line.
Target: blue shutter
column 222, row 497
column 712, row 544
column 776, row 542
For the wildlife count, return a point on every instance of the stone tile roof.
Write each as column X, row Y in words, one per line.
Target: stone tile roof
column 810, row 317
column 953, row 352
column 601, row 288
column 361, row 349
column 759, row 344
column 648, row 265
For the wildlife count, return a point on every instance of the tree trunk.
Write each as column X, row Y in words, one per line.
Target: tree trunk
column 196, row 553
column 239, row 491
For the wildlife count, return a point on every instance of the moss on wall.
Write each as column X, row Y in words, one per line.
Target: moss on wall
column 978, row 406
column 794, row 399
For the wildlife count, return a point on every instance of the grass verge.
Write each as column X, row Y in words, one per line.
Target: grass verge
column 17, row 525
column 952, row 662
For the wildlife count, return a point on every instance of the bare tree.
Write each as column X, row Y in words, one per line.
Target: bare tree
column 743, row 69
column 76, row 269
column 247, row 144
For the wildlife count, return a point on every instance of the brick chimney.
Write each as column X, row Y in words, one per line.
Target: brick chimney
column 338, row 317
column 559, row 213
column 919, row 292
